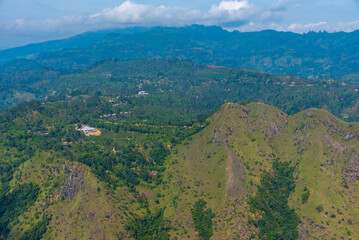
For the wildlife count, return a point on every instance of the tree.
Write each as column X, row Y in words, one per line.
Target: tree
column 202, row 219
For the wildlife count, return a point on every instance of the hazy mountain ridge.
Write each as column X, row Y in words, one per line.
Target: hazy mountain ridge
column 313, row 55
column 84, row 40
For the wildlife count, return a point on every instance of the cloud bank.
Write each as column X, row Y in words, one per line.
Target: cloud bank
column 324, row 26
column 231, row 14
column 129, row 13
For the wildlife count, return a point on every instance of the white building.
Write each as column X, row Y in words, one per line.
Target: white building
column 88, row 129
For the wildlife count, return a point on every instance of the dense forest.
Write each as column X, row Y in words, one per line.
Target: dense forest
column 270, row 204
column 313, row 55
column 183, row 87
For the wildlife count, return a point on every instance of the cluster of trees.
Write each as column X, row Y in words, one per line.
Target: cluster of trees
column 305, row 195
column 275, row 219
column 38, row 230
column 202, row 219
column 14, row 203
column 126, row 163
column 151, row 226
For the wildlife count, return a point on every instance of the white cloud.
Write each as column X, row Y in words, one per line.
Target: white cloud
column 348, row 26
column 240, row 15
column 296, row 27
column 231, row 7
column 230, row 13
column 281, row 5
column 234, row 13
column 324, row 26
column 129, row 13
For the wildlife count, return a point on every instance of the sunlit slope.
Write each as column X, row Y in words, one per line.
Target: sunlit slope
column 81, row 206
column 222, row 164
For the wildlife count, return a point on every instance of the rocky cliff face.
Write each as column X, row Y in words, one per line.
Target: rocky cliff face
column 74, row 183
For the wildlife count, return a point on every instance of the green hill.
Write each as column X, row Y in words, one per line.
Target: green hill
column 223, row 164
column 121, row 184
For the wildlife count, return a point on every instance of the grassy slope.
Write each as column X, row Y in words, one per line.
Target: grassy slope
column 94, row 211
column 249, row 138
column 258, row 133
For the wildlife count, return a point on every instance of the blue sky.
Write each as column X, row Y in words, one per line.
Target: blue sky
column 28, row 21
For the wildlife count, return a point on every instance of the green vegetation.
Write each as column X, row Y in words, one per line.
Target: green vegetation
column 319, row 208
column 202, row 219
column 37, row 232
column 14, row 203
column 316, row 55
column 126, row 162
column 151, row 226
column 130, row 151
column 167, row 149
column 305, row 195
column 276, row 219
column 181, row 90
column 168, row 162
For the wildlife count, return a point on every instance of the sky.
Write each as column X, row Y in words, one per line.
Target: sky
column 30, row 21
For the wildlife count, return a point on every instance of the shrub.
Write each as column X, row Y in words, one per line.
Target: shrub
column 319, row 208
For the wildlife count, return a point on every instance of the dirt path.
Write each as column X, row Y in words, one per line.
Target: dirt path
column 235, row 179
column 235, row 175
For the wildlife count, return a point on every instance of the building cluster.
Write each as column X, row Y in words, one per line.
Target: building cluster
column 118, row 104
column 108, row 115
column 115, row 115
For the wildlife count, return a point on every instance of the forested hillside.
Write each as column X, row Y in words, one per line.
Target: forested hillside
column 184, row 86
column 246, row 172
column 311, row 55
column 83, row 40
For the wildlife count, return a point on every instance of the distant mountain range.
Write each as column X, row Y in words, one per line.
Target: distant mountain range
column 83, row 40
column 311, row 55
